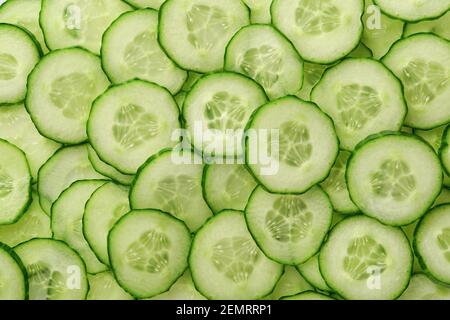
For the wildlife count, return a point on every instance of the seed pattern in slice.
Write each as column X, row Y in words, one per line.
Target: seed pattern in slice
column 317, row 16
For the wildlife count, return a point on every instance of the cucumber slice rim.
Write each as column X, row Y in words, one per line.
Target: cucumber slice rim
column 163, row 213
column 445, row 144
column 413, row 20
column 9, row 250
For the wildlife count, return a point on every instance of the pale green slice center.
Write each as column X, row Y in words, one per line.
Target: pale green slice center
column 289, row 219
column 144, row 57
column 262, row 64
column 225, row 112
column 150, row 253
column 235, row 257
column 44, row 284
column 8, row 66
column 317, row 16
column 393, row 179
column 423, row 81
column 358, row 104
column 364, row 256
column 295, row 147
column 73, row 95
column 206, row 26
column 133, row 126
column 444, row 243
column 235, row 183
column 6, row 184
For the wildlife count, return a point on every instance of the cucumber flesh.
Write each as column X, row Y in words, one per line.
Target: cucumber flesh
column 103, row 286
column 183, row 289
column 422, row 287
column 13, row 279
column 290, row 283
column 438, row 26
column 414, row 10
column 311, row 272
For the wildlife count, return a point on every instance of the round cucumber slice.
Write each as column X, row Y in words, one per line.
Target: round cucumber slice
column 107, row 170
column 155, row 4
column 55, row 271
column 421, row 63
column 66, row 166
column 148, row 250
column 227, row 186
column 309, row 295
column 33, row 224
column 16, row 127
column 182, row 289
column 300, row 145
column 24, row 13
column 194, row 33
column 71, row 23
column 362, row 97
column 226, row 263
column 103, row 209
column 265, row 55
column 103, row 286
column 365, row 260
column 379, row 35
column 323, row 31
column 289, row 228
column 67, row 224
column 130, row 122
column 437, row 26
column 130, row 50
column 414, row 10
column 13, row 279
column 336, row 186
column 216, row 111
column 18, row 56
column 423, row 288
column 432, row 242
column 61, row 90
column 172, row 182
column 15, row 183
column 394, row 177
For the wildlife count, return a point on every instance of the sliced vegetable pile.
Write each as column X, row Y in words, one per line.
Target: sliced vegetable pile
column 112, row 185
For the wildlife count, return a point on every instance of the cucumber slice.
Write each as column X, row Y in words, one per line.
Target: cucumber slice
column 432, row 242
column 362, row 97
column 444, row 150
column 311, row 272
column 394, row 177
column 61, row 90
column 173, row 187
column 103, row 209
column 414, row 10
column 13, row 280
column 336, row 186
column 55, row 271
column 67, row 224
column 107, row 170
column 308, row 146
column 155, row 4
column 132, row 121
column 313, row 72
column 15, row 183
column 291, row 282
column 259, row 10
column 18, row 56
column 71, row 23
column 24, row 13
column 309, row 295
column 421, row 63
column 194, row 33
column 438, row 26
column 148, row 250
column 409, row 231
column 16, row 127
column 423, row 288
column 365, row 260
column 380, row 36
column 66, row 166
column 265, row 55
column 217, row 109
column 182, row 289
column 227, row 186
column 130, row 50
column 323, row 31
column 226, row 263
column 103, row 286
column 33, row 224
column 289, row 228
